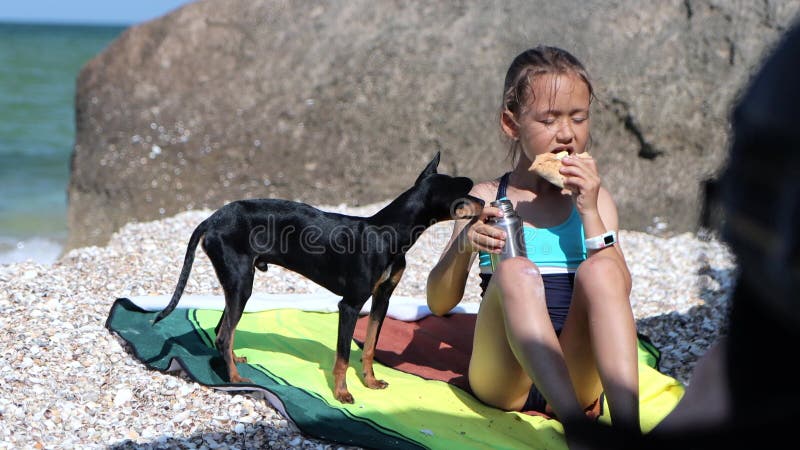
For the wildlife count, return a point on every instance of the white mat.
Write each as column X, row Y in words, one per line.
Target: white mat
column 402, row 308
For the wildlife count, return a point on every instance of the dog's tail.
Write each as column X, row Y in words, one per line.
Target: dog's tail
column 185, row 271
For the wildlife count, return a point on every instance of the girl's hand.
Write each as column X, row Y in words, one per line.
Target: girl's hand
column 582, row 179
column 477, row 235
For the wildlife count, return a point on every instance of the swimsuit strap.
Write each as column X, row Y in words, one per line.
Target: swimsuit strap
column 501, row 189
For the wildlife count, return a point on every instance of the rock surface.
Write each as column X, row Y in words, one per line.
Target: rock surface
column 344, row 102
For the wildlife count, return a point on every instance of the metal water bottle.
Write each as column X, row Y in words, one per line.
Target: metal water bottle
column 512, row 225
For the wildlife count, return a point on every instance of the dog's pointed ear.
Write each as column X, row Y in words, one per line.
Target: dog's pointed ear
column 430, row 169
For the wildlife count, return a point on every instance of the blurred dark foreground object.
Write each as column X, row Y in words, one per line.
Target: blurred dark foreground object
column 753, row 389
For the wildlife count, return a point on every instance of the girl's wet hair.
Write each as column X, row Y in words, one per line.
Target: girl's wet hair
column 541, row 60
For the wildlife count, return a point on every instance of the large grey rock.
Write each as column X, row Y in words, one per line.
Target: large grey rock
column 344, row 102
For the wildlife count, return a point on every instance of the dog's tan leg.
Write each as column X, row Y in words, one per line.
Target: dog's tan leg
column 348, row 315
column 340, row 383
column 226, row 330
column 238, row 359
column 235, row 377
column 380, row 304
column 235, row 273
column 225, row 347
column 368, row 355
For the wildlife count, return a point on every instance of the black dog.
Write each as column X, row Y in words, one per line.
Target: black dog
column 355, row 257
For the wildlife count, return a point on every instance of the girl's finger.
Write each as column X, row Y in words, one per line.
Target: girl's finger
column 488, row 237
column 492, row 245
column 586, row 164
column 490, row 211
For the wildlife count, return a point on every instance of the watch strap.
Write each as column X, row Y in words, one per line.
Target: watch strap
column 602, row 241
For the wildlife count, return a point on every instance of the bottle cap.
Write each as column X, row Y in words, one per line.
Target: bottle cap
column 504, row 204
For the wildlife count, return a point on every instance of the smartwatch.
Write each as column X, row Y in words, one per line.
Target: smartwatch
column 606, row 239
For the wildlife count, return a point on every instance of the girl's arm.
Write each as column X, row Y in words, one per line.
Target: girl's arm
column 447, row 279
column 605, row 220
column 595, row 206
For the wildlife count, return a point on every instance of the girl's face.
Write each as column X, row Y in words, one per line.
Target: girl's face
column 555, row 117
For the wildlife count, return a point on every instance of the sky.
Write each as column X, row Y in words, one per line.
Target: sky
column 112, row 12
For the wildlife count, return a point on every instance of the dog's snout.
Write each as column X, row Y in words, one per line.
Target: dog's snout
column 468, row 183
column 466, row 207
column 478, row 202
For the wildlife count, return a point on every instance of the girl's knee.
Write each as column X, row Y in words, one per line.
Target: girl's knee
column 506, row 391
column 601, row 270
column 518, row 278
column 598, row 266
column 516, row 268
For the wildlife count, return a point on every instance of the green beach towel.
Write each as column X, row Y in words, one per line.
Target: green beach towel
column 290, row 356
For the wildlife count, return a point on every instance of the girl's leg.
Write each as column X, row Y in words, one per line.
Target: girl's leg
column 515, row 343
column 599, row 340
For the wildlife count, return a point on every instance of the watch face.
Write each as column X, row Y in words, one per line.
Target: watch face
column 608, row 240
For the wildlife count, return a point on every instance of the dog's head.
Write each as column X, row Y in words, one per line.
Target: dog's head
column 445, row 197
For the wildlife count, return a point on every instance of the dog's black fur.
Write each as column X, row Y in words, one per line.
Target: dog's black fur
column 355, row 257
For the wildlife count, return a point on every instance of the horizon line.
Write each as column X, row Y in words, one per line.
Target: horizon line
column 67, row 22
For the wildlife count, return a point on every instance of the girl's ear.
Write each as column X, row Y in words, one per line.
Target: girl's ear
column 509, row 125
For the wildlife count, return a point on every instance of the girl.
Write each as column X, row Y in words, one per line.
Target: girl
column 555, row 327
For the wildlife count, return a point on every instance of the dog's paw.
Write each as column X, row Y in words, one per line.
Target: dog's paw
column 239, row 379
column 240, row 359
column 376, row 384
column 344, row 397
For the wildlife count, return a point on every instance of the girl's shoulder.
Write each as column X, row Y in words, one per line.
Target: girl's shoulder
column 486, row 190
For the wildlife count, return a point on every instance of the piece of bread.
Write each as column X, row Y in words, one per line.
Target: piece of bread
column 547, row 165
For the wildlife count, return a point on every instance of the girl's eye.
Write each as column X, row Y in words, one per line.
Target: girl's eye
column 579, row 119
column 548, row 121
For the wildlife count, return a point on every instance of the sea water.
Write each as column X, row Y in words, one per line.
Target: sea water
column 39, row 65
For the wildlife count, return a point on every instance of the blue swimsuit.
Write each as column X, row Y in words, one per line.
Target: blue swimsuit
column 557, row 251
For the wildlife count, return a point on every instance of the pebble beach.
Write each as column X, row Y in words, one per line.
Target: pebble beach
column 66, row 382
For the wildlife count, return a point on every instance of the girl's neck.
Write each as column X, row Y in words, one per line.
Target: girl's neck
column 523, row 179
column 540, row 203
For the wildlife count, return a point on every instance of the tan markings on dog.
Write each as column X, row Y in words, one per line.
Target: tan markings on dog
column 368, row 356
column 371, row 339
column 339, row 382
column 384, row 276
column 233, row 371
column 397, row 276
column 467, row 209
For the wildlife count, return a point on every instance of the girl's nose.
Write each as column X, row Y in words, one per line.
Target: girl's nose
column 564, row 134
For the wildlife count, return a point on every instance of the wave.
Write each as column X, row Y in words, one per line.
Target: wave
column 37, row 249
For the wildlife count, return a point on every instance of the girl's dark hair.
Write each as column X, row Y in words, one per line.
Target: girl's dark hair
column 525, row 68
